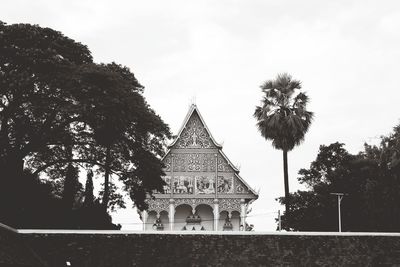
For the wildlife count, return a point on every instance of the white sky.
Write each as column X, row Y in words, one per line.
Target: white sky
column 346, row 53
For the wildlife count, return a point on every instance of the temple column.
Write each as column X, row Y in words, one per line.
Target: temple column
column 171, row 214
column 216, row 214
column 144, row 219
column 243, row 214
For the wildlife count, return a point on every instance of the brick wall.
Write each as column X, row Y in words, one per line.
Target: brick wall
column 214, row 250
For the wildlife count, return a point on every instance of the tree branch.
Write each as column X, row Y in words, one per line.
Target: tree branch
column 90, row 161
column 40, row 141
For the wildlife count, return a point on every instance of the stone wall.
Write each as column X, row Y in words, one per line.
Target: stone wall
column 150, row 249
column 14, row 251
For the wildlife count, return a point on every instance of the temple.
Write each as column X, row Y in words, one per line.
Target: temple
column 204, row 190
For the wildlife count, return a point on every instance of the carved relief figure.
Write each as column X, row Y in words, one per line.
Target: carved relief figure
column 167, row 188
column 205, row 185
column 182, row 185
column 225, row 184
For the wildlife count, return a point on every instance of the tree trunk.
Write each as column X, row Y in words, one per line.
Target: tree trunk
column 286, row 179
column 11, row 178
column 107, row 179
column 70, row 188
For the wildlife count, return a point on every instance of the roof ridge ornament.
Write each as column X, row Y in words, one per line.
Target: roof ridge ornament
column 193, row 101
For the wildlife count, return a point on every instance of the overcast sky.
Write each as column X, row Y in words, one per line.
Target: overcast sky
column 346, row 53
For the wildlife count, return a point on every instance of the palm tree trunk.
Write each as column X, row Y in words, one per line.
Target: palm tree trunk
column 107, row 179
column 286, row 179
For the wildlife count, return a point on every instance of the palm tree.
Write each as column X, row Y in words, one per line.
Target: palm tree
column 283, row 117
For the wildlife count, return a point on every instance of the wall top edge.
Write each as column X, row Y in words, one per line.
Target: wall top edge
column 255, row 233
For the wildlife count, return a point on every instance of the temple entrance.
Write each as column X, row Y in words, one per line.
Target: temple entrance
column 201, row 220
column 181, row 213
column 235, row 220
column 205, row 212
column 229, row 223
column 223, row 215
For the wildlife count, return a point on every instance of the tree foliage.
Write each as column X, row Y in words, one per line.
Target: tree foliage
column 370, row 181
column 283, row 117
column 59, row 110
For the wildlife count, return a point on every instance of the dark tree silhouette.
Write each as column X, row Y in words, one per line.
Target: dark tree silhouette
column 283, row 117
column 59, row 109
column 89, row 197
column 370, row 180
column 71, row 187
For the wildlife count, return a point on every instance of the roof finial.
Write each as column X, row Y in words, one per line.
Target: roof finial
column 193, row 101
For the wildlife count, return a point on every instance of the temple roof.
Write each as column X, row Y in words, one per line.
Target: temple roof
column 194, row 135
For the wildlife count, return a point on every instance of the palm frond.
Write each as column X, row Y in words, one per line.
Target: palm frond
column 282, row 116
column 269, row 84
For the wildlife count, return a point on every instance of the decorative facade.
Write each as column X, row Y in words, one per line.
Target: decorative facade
column 203, row 188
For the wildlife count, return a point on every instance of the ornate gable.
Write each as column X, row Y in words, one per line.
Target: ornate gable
column 196, row 165
column 194, row 133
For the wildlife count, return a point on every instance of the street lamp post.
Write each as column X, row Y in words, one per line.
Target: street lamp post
column 339, row 199
column 279, row 220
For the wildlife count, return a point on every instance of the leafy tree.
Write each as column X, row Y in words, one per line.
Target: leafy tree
column 116, row 199
column 283, row 117
column 58, row 109
column 315, row 209
column 36, row 67
column 370, row 180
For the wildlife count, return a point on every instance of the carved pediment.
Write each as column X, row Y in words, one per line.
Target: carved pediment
column 194, row 134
